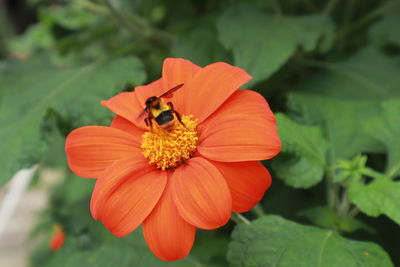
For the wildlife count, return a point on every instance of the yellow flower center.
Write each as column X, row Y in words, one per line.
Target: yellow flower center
column 169, row 149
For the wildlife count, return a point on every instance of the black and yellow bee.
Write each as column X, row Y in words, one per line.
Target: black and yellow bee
column 162, row 113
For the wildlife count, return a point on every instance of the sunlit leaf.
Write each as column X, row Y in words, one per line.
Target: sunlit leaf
column 262, row 43
column 302, row 162
column 381, row 196
column 385, row 127
column 274, row 241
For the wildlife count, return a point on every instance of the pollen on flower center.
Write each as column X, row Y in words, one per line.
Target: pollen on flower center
column 169, row 149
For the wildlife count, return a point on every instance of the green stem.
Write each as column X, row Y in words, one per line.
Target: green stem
column 374, row 174
column 258, row 210
column 239, row 218
column 344, row 205
column 331, row 191
column 362, row 22
column 353, row 212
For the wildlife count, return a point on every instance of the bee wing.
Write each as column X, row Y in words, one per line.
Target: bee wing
column 141, row 115
column 169, row 93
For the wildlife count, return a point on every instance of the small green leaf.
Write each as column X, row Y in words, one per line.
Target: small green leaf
column 262, row 43
column 29, row 89
column 381, row 196
column 385, row 127
column 274, row 241
column 302, row 162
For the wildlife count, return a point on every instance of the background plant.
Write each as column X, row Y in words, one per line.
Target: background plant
column 329, row 69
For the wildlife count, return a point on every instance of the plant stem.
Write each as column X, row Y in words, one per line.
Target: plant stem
column 330, row 6
column 344, row 205
column 353, row 212
column 258, row 210
column 374, row 174
column 357, row 25
column 239, row 218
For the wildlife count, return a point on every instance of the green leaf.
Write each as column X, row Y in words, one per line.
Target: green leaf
column 368, row 75
column 386, row 30
column 327, row 218
column 381, row 196
column 199, row 46
column 30, row 89
column 274, row 241
column 262, row 43
column 342, row 123
column 385, row 128
column 302, row 161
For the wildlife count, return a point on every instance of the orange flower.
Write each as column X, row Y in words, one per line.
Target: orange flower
column 58, row 238
column 192, row 176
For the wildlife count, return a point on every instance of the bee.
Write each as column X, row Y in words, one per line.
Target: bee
column 162, row 113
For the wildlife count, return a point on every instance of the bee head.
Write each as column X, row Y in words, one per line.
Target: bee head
column 152, row 101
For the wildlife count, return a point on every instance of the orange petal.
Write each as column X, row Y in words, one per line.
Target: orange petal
column 91, row 149
column 167, row 234
column 210, row 87
column 128, row 106
column 242, row 129
column 177, row 71
column 125, row 194
column 201, row 194
column 127, row 126
column 247, row 182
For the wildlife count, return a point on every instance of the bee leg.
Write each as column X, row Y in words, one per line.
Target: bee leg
column 148, row 122
column 178, row 116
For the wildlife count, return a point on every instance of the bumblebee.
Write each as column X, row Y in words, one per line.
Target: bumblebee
column 162, row 113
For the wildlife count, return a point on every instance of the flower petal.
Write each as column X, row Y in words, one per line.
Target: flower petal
column 178, row 71
column 92, row 149
column 125, row 194
column 210, row 87
column 242, row 129
column 247, row 182
column 201, row 194
column 143, row 92
column 128, row 106
column 127, row 126
column 167, row 234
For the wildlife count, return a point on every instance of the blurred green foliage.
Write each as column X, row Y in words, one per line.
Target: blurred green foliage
column 330, row 68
